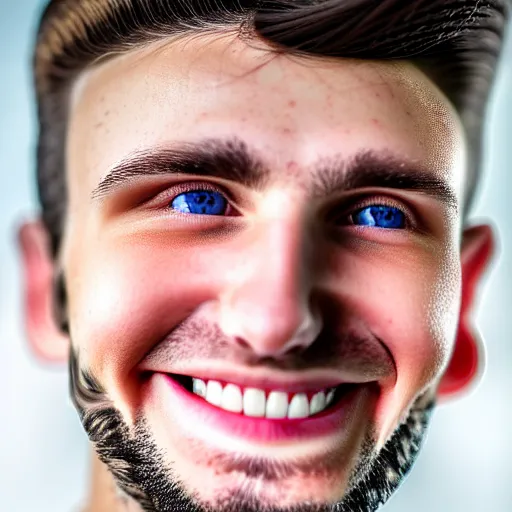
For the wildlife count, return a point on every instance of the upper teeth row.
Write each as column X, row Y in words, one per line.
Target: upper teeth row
column 253, row 402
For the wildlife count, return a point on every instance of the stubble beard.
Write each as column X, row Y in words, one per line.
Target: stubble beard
column 141, row 473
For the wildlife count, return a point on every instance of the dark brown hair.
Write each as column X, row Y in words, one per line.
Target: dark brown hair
column 455, row 42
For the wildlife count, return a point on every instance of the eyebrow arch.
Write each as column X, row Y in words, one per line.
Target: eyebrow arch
column 231, row 159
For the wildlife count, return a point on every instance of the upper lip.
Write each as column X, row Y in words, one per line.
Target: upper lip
column 292, row 382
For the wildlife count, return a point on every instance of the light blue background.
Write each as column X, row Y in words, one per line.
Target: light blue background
column 465, row 465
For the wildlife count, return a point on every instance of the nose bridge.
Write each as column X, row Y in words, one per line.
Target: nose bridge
column 267, row 306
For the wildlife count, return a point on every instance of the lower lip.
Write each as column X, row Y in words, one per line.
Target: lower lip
column 328, row 422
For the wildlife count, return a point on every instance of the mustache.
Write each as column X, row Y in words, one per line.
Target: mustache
column 338, row 348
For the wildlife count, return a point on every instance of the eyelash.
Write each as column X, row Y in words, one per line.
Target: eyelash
column 354, row 206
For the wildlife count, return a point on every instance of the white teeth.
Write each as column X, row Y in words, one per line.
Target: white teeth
column 329, row 397
column 254, row 402
column 277, row 405
column 199, row 387
column 214, row 392
column 299, row 406
column 232, row 398
column 317, row 403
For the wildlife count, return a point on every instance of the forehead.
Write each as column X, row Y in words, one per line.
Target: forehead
column 284, row 106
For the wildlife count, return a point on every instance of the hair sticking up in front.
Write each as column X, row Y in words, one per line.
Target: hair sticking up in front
column 455, row 42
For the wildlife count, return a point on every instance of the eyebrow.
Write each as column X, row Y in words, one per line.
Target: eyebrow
column 232, row 160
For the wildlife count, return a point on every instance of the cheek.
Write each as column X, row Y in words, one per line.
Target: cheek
column 411, row 303
column 444, row 308
column 422, row 330
column 124, row 305
column 418, row 326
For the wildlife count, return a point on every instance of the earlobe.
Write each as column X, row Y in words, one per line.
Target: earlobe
column 46, row 339
column 467, row 364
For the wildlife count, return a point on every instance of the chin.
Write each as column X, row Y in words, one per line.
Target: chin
column 242, row 492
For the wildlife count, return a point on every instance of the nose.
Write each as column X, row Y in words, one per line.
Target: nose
column 268, row 307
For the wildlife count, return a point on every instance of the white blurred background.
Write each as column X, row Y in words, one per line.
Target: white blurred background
column 465, row 465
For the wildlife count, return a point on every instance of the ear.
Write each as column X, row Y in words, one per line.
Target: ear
column 467, row 364
column 48, row 342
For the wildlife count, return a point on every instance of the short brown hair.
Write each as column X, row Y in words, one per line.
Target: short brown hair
column 456, row 42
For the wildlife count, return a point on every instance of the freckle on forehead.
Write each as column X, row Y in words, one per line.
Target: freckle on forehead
column 293, row 173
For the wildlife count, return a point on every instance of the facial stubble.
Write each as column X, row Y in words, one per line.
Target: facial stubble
column 141, row 472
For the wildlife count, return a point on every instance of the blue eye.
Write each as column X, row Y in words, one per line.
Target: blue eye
column 212, row 202
column 208, row 202
column 380, row 216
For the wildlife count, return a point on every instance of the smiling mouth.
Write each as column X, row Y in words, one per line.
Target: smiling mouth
column 249, row 419
column 264, row 403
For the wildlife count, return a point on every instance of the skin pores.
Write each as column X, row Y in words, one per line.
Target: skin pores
column 135, row 272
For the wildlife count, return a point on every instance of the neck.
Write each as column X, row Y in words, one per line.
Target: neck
column 104, row 495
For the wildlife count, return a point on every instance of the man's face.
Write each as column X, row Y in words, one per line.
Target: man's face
column 277, row 285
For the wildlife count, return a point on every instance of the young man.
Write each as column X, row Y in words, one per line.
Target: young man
column 254, row 248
